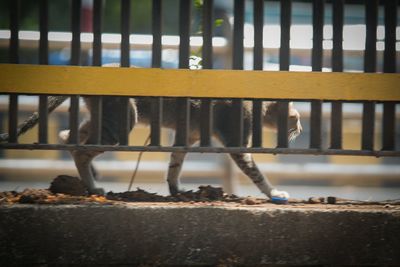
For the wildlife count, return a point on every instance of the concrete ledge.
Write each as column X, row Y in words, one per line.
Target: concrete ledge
column 199, row 234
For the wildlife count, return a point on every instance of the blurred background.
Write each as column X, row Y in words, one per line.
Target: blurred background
column 355, row 177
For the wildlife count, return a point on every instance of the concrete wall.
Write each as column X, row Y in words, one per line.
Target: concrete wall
column 201, row 234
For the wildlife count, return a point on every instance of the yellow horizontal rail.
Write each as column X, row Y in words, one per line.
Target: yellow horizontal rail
column 35, row 79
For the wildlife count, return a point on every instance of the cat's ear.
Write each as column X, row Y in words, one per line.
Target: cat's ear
column 290, row 104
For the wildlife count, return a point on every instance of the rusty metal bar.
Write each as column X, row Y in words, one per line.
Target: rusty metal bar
column 97, row 29
column 257, row 123
column 237, row 133
column 156, row 120
column 182, row 121
column 284, row 51
column 184, row 33
column 43, row 119
column 316, row 124
column 206, row 122
column 44, row 29
column 74, row 120
column 207, row 26
column 283, row 112
column 238, row 34
column 318, row 25
column 258, row 58
column 76, row 32
column 368, row 126
column 13, row 49
column 125, row 32
column 157, row 33
column 13, row 119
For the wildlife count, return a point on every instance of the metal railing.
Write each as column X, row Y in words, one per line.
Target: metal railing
column 183, row 101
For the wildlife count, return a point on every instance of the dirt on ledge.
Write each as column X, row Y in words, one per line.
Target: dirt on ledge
column 66, row 189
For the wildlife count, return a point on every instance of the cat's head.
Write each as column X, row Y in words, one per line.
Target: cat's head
column 271, row 119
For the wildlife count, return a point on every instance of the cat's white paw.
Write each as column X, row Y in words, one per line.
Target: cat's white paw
column 275, row 193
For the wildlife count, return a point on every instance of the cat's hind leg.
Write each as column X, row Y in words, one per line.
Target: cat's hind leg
column 83, row 162
column 247, row 164
column 174, row 170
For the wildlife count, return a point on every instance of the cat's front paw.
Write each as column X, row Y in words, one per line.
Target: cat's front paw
column 96, row 191
column 279, row 197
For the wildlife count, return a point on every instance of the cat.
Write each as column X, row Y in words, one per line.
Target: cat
column 139, row 110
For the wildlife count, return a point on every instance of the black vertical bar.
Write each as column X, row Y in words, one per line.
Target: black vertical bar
column 156, row 121
column 156, row 103
column 237, row 133
column 44, row 29
column 371, row 21
column 96, row 111
column 206, row 122
column 43, row 119
column 336, row 125
column 337, row 66
column 283, row 112
column 124, row 121
column 257, row 123
column 317, row 56
column 316, row 124
column 337, row 49
column 368, row 117
column 318, row 26
column 13, row 119
column 368, row 125
column 75, row 60
column 96, row 101
column 74, row 120
column 76, row 32
column 182, row 121
column 207, row 34
column 97, row 29
column 184, row 33
column 157, row 30
column 258, row 58
column 183, row 104
column 389, row 56
column 13, row 51
column 43, row 59
column 388, row 131
column 237, row 104
column 238, row 34
column 389, row 66
column 125, row 32
column 284, row 51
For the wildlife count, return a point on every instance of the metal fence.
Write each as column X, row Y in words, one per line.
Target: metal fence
column 367, row 146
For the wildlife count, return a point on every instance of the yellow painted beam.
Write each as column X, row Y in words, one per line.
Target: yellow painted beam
column 35, row 79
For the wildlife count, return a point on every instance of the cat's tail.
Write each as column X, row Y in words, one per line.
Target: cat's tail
column 52, row 104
